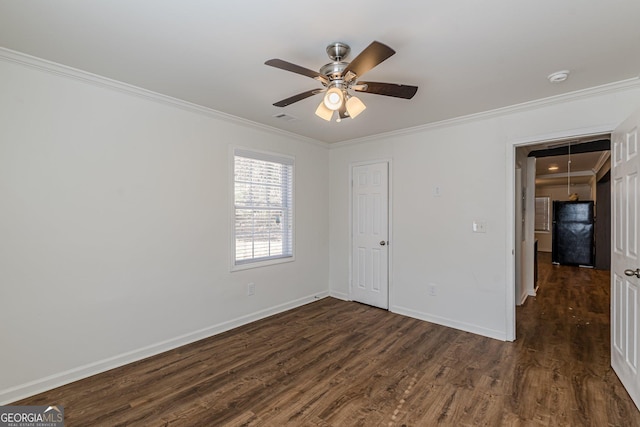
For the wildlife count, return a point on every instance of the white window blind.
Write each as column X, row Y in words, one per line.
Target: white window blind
column 263, row 206
column 542, row 214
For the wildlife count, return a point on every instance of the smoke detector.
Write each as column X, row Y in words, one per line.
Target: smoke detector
column 558, row 76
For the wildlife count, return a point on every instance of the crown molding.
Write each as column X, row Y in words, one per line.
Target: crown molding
column 57, row 69
column 566, row 174
column 54, row 68
column 604, row 156
column 516, row 108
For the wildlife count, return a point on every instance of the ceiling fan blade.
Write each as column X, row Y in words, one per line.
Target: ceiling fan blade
column 288, row 66
column 387, row 89
column 371, row 56
column 298, row 97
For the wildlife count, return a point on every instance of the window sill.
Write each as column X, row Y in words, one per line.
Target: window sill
column 265, row 263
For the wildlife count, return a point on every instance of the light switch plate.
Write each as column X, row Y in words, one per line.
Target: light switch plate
column 479, row 226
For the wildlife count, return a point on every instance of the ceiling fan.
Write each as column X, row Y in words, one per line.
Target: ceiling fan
column 338, row 77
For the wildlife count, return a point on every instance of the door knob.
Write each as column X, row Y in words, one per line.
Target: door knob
column 382, row 243
column 635, row 272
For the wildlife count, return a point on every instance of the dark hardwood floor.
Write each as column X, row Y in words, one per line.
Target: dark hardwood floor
column 336, row 363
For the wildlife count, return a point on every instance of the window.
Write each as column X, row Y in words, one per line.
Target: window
column 263, row 208
column 542, row 214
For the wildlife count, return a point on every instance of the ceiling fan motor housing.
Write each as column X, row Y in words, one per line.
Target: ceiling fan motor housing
column 333, row 70
column 338, row 51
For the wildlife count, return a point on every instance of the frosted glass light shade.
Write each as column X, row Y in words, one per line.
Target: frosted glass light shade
column 323, row 112
column 355, row 107
column 333, row 98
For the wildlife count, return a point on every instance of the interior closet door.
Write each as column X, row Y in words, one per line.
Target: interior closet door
column 370, row 238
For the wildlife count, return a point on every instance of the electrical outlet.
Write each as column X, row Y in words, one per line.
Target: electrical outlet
column 251, row 289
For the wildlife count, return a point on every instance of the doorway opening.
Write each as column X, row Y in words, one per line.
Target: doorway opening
column 625, row 235
column 556, row 172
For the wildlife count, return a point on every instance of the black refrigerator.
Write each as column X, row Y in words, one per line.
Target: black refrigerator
column 573, row 233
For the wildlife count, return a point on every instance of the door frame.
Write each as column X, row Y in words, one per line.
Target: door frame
column 519, row 233
column 512, row 145
column 353, row 165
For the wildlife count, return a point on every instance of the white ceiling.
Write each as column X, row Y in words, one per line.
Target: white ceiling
column 584, row 167
column 467, row 56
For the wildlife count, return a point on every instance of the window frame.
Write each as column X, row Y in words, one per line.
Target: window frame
column 547, row 228
column 269, row 156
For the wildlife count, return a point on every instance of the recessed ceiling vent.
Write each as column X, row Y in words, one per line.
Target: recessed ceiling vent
column 285, row 117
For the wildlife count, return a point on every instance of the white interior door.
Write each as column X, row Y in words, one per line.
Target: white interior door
column 370, row 235
column 625, row 264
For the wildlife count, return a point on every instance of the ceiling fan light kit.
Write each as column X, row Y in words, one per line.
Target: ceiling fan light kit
column 355, row 106
column 333, row 98
column 323, row 112
column 338, row 77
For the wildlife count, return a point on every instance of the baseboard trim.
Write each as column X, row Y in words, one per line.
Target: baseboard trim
column 523, row 298
column 339, row 295
column 450, row 323
column 56, row 380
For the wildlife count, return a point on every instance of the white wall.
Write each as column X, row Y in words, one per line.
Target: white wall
column 114, row 228
column 432, row 239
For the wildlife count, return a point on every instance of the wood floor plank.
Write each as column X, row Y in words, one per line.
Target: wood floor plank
column 324, row 365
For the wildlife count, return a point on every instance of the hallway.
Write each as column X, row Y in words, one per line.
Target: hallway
column 565, row 332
